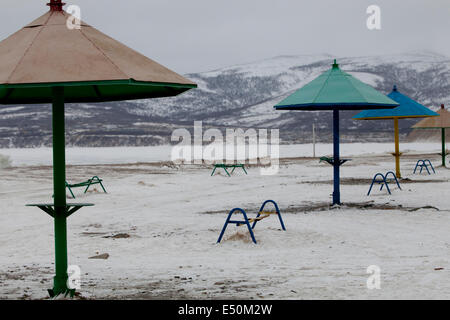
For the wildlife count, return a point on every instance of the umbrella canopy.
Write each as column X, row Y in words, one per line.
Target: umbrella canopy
column 442, row 122
column 408, row 109
column 90, row 65
column 46, row 62
column 336, row 90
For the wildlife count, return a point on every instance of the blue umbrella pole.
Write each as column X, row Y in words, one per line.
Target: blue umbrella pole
column 336, row 162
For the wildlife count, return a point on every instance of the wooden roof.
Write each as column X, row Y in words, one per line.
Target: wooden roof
column 46, row 51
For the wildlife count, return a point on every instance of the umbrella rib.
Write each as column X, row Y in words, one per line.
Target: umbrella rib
column 104, row 54
column 320, row 91
column 8, row 93
column 27, row 50
column 97, row 91
column 356, row 88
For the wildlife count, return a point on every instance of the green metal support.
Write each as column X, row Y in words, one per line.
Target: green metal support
column 443, row 147
column 59, row 187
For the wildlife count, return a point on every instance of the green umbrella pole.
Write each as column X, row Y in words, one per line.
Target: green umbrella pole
column 59, row 186
column 443, row 147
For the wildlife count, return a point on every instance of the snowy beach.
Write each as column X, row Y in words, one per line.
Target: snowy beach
column 159, row 224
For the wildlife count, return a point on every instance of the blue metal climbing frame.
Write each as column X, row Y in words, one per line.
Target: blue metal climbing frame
column 383, row 181
column 261, row 215
column 424, row 164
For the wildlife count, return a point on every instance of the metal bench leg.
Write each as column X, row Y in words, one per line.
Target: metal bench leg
column 213, row 171
column 87, row 188
column 100, row 183
column 227, row 172
column 243, row 168
column 250, row 230
column 225, row 225
column 370, row 189
column 254, row 222
column 281, row 220
column 387, row 186
column 104, row 190
column 431, row 165
column 395, row 178
column 70, row 190
column 375, row 180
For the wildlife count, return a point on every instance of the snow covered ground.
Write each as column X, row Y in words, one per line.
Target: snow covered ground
column 173, row 216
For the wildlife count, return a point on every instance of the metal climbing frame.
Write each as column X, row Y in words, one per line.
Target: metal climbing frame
column 424, row 164
column 261, row 215
column 384, row 181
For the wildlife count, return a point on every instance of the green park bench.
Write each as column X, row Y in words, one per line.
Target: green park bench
column 228, row 166
column 93, row 181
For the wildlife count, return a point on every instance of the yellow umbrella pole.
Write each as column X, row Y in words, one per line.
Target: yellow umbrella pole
column 397, row 149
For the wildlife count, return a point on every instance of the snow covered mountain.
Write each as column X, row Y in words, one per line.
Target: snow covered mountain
column 238, row 96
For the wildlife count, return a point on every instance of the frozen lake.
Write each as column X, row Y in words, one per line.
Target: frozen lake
column 78, row 156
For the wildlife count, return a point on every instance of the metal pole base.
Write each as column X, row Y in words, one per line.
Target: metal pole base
column 60, row 288
column 60, row 214
column 337, row 199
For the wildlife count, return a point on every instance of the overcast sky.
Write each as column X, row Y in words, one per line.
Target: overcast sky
column 200, row 35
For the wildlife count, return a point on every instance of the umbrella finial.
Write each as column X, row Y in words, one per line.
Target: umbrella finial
column 395, row 87
column 56, row 5
column 335, row 65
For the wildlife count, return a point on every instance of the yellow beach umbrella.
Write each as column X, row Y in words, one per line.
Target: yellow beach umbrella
column 408, row 109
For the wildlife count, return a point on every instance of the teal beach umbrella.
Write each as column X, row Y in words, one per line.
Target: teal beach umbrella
column 335, row 90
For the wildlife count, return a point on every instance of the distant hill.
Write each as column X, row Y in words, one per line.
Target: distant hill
column 433, row 135
column 238, row 96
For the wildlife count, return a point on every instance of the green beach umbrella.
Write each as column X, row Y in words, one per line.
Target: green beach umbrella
column 442, row 122
column 47, row 62
column 335, row 90
column 408, row 109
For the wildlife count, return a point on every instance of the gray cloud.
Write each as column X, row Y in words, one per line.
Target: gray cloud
column 199, row 35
